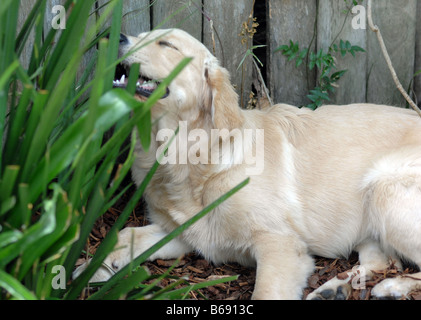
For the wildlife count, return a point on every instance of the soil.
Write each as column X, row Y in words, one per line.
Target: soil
column 198, row 269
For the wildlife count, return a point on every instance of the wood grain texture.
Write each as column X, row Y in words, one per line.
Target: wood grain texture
column 417, row 85
column 368, row 78
column 334, row 25
column 397, row 22
column 178, row 14
column 227, row 17
column 24, row 10
column 136, row 17
column 290, row 20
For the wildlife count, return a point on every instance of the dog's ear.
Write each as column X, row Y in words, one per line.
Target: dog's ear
column 222, row 100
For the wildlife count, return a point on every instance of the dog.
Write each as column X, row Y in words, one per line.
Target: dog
column 334, row 180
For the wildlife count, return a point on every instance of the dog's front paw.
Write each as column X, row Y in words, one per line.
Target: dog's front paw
column 104, row 273
column 334, row 289
column 341, row 292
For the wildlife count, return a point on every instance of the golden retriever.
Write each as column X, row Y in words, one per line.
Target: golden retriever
column 332, row 181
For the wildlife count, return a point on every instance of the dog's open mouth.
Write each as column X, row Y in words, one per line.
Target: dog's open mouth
column 144, row 85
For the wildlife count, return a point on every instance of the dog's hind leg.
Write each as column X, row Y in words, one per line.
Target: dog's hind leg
column 371, row 258
column 394, row 203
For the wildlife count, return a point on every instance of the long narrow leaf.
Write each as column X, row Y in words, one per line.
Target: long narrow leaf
column 109, row 242
column 179, row 293
column 27, row 26
column 142, row 258
column 112, row 106
column 14, row 287
column 16, row 125
column 44, row 226
column 61, row 211
column 5, row 77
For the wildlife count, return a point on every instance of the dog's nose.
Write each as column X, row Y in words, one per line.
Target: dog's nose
column 123, row 39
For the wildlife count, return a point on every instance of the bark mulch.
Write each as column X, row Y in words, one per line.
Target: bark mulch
column 197, row 269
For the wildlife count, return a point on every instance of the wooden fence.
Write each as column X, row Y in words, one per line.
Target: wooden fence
column 304, row 21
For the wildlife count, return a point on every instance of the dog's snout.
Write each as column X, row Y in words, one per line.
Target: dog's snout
column 123, row 39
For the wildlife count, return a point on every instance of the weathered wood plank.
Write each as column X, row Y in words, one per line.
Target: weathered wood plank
column 367, row 78
column 24, row 10
column 289, row 20
column 228, row 17
column 335, row 25
column 417, row 86
column 136, row 17
column 180, row 14
column 397, row 21
column 49, row 16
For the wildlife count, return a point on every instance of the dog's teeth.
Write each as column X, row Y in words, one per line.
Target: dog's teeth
column 138, row 84
column 123, row 78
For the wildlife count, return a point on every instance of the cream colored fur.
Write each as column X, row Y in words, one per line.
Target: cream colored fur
column 337, row 179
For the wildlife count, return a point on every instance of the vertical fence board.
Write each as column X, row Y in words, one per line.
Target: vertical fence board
column 180, row 14
column 24, row 10
column 136, row 17
column 334, row 25
column 49, row 15
column 228, row 17
column 290, row 20
column 368, row 77
column 396, row 20
column 417, row 86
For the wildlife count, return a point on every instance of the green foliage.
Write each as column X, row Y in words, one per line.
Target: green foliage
column 250, row 52
column 352, row 2
column 325, row 62
column 57, row 174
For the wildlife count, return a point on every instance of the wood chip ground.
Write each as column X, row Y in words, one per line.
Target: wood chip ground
column 196, row 269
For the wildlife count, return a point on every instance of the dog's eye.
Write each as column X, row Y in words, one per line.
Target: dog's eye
column 167, row 44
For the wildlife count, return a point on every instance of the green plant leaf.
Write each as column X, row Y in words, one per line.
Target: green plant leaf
column 8, row 237
column 62, row 212
column 144, row 128
column 337, row 75
column 112, row 106
column 180, row 293
column 142, row 258
column 14, row 287
column 43, row 227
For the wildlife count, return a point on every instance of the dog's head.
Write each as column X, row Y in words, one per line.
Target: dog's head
column 201, row 91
